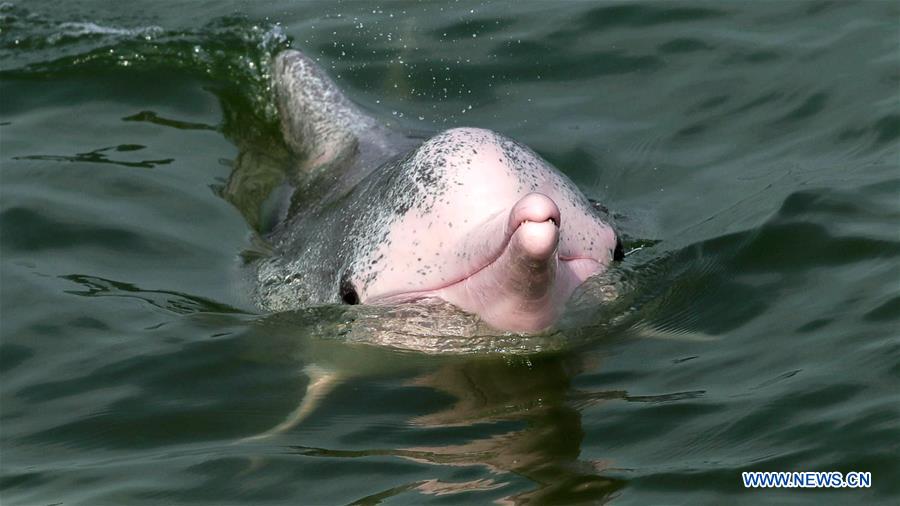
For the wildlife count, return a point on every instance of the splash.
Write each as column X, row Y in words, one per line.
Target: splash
column 232, row 53
column 77, row 30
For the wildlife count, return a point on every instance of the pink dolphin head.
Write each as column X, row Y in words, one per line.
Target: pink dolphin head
column 487, row 226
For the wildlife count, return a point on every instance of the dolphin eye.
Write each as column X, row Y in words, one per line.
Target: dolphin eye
column 619, row 252
column 348, row 293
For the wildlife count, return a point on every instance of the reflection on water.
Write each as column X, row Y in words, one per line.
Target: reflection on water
column 544, row 443
column 528, row 427
column 99, row 156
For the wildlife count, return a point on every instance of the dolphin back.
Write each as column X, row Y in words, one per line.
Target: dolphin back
column 325, row 130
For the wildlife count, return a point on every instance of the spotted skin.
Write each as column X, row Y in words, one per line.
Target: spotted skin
column 469, row 216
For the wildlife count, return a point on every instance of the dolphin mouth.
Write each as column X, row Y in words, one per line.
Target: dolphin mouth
column 527, row 304
column 528, row 250
column 584, row 263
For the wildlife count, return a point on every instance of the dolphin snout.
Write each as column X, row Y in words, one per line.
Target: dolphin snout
column 535, row 207
column 536, row 241
column 534, row 223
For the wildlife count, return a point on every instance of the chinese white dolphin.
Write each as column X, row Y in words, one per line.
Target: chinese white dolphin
column 468, row 216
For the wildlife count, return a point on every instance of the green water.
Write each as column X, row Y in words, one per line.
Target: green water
column 757, row 142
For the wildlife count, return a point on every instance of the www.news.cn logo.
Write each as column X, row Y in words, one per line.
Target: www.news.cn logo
column 807, row 479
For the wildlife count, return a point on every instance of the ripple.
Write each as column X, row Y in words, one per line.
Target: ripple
column 812, row 106
column 887, row 129
column 465, row 29
column 13, row 355
column 29, row 230
column 887, row 311
column 647, row 15
column 684, row 45
column 99, row 156
column 175, row 302
column 152, row 117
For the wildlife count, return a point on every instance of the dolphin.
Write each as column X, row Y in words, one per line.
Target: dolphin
column 468, row 216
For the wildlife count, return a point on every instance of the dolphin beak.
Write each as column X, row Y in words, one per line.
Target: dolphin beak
column 533, row 228
column 536, row 242
column 527, row 269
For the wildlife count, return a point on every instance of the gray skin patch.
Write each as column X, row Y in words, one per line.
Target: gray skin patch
column 331, row 138
column 327, row 241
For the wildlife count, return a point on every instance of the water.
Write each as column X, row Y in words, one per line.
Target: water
column 757, row 143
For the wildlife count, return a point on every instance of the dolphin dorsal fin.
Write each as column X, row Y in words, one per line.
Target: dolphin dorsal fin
column 320, row 124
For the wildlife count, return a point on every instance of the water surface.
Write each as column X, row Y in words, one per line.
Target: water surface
column 753, row 147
